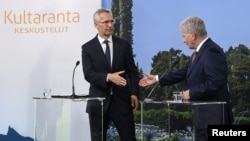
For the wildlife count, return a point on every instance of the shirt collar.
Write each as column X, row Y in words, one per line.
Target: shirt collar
column 199, row 46
column 101, row 40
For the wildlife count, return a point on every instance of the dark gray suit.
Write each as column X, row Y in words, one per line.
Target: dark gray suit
column 206, row 78
column 117, row 107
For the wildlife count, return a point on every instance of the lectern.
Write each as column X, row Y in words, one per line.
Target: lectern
column 176, row 120
column 61, row 119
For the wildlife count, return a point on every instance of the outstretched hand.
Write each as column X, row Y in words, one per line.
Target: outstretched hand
column 117, row 79
column 148, row 79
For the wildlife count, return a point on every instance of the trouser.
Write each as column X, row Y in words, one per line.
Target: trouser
column 124, row 123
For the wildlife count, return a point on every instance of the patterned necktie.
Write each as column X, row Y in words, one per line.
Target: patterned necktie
column 194, row 55
column 107, row 52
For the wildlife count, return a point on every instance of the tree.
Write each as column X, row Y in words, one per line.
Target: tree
column 163, row 62
column 122, row 12
column 238, row 59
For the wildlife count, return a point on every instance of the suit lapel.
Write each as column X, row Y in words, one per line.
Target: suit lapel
column 192, row 65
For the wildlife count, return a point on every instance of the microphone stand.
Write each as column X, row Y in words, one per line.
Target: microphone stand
column 73, row 95
column 73, row 84
column 148, row 99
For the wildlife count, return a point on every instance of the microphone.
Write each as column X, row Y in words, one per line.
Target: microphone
column 73, row 77
column 148, row 99
column 73, row 95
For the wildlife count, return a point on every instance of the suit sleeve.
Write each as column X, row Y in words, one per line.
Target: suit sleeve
column 98, row 78
column 211, row 75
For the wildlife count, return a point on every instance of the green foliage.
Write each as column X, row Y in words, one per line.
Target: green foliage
column 175, row 136
column 243, row 120
column 160, row 117
column 162, row 62
column 238, row 59
column 122, row 12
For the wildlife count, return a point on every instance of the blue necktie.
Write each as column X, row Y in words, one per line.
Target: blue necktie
column 107, row 52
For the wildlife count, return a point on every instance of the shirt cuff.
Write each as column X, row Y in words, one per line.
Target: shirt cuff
column 107, row 80
column 157, row 78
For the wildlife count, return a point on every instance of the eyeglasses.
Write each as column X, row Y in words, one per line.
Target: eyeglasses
column 107, row 22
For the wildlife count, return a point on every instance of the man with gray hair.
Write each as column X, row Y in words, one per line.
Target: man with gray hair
column 205, row 76
column 109, row 67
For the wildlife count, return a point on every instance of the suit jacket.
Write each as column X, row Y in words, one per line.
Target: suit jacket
column 206, row 77
column 95, row 69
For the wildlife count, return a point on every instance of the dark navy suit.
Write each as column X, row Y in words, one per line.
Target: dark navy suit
column 117, row 107
column 206, row 79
